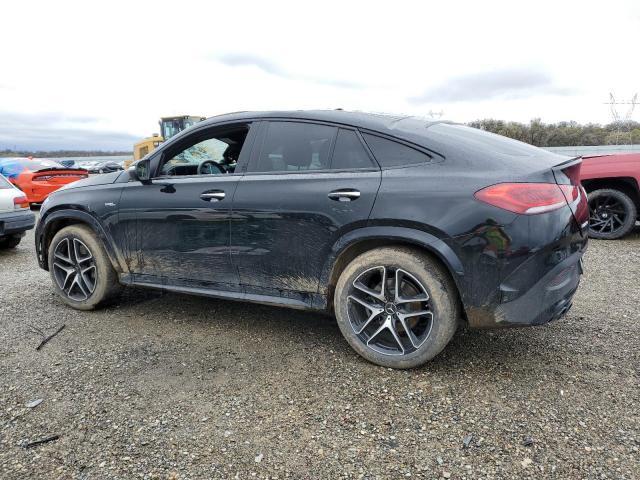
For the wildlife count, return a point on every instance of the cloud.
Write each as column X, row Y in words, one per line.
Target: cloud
column 271, row 68
column 509, row 84
column 248, row 60
column 56, row 131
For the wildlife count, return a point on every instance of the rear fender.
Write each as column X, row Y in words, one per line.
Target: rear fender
column 387, row 234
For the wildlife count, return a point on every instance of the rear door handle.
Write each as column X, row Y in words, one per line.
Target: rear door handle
column 212, row 195
column 344, row 195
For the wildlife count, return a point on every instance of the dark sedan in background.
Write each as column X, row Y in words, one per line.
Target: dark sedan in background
column 401, row 227
column 100, row 166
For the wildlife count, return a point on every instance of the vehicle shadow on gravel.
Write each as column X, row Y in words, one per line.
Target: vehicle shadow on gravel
column 304, row 331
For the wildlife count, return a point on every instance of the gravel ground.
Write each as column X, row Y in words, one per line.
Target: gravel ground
column 170, row 386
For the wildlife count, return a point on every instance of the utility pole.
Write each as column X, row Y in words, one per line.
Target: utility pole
column 619, row 121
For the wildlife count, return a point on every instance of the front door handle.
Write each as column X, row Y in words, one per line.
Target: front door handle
column 344, row 195
column 212, row 196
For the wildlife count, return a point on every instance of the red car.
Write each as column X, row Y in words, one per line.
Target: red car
column 37, row 177
column 614, row 196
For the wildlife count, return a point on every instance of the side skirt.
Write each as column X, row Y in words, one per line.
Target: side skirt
column 295, row 300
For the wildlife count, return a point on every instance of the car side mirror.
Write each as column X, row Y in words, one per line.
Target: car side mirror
column 142, row 171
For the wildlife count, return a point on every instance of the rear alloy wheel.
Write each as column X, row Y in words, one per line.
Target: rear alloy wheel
column 81, row 271
column 612, row 214
column 396, row 307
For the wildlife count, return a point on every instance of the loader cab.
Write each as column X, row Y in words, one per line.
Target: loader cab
column 170, row 126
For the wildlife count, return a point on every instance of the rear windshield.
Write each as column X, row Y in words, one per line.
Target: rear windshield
column 34, row 164
column 485, row 141
column 4, row 183
column 13, row 167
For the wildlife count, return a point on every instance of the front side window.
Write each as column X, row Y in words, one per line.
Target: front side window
column 349, row 153
column 393, row 154
column 294, row 147
column 215, row 154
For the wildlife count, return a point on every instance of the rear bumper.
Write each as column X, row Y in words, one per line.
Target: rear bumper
column 547, row 300
column 13, row 223
column 38, row 193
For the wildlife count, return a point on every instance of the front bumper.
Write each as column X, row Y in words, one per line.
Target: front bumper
column 13, row 223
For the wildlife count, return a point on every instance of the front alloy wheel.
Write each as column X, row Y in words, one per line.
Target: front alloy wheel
column 80, row 269
column 74, row 269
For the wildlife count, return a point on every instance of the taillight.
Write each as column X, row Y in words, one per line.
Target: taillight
column 525, row 198
column 20, row 202
column 577, row 200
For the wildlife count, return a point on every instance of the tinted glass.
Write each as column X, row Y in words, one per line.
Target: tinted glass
column 349, row 152
column 485, row 141
column 393, row 154
column 293, row 147
column 32, row 164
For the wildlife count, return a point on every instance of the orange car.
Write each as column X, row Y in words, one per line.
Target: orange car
column 38, row 177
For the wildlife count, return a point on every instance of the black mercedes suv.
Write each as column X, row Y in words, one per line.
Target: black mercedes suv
column 400, row 227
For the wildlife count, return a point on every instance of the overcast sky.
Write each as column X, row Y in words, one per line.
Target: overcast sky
column 99, row 74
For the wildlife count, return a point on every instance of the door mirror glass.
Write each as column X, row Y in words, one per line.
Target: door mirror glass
column 142, row 170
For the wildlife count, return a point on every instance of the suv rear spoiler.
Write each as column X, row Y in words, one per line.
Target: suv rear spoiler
column 568, row 173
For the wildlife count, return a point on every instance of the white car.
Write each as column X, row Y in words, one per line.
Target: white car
column 15, row 215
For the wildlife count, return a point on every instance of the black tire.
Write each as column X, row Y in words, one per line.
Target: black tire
column 91, row 290
column 416, row 272
column 11, row 241
column 612, row 214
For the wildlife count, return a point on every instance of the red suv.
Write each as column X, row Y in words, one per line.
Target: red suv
column 614, row 197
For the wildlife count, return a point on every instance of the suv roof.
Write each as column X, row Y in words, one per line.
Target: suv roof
column 444, row 139
column 374, row 121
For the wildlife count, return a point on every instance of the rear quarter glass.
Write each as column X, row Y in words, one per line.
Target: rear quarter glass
column 390, row 153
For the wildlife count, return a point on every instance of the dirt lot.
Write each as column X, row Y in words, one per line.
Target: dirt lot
column 169, row 386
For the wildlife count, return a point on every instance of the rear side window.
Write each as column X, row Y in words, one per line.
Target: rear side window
column 394, row 154
column 349, row 153
column 293, row 147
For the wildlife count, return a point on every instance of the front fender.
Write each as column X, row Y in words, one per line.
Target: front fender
column 400, row 234
column 44, row 232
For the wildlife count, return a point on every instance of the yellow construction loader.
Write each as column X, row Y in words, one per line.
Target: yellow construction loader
column 169, row 126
